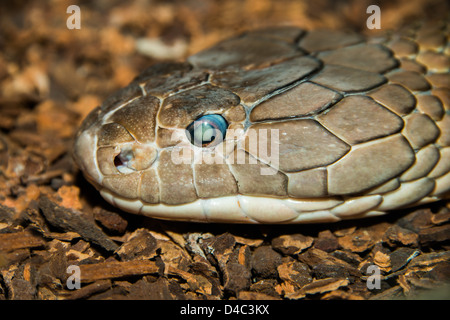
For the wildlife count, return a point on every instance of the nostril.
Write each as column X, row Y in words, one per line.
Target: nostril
column 118, row 161
column 124, row 161
column 129, row 158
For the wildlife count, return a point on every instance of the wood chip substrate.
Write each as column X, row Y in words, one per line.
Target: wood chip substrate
column 55, row 229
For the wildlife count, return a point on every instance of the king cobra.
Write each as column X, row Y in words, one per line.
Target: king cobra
column 279, row 125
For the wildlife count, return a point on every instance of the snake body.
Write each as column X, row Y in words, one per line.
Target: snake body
column 360, row 126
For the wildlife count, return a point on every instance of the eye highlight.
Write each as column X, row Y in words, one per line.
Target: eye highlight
column 207, row 131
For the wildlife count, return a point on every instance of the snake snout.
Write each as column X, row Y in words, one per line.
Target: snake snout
column 84, row 154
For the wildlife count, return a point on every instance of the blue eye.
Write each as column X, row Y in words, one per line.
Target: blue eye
column 207, row 131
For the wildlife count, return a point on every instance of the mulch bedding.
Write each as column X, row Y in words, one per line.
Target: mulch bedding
column 51, row 219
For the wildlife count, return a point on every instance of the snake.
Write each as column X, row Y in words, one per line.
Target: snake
column 279, row 125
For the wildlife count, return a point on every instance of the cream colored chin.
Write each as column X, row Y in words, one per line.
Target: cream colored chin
column 248, row 209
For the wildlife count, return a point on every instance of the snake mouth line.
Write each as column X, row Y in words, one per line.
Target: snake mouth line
column 250, row 209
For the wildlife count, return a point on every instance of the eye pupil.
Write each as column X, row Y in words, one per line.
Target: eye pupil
column 207, row 131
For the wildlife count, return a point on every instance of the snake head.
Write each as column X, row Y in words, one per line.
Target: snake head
column 129, row 148
column 355, row 134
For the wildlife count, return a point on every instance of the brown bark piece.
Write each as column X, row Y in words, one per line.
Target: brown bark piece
column 396, row 234
column 359, row 241
column 89, row 290
column 382, row 260
column 109, row 270
column 434, row 234
column 237, row 278
column 295, row 273
column 324, row 285
column 141, row 245
column 400, row 257
column 326, row 241
column 112, row 221
column 265, row 262
column 292, row 244
column 20, row 240
column 71, row 220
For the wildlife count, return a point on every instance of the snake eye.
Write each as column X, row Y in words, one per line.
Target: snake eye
column 207, row 131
